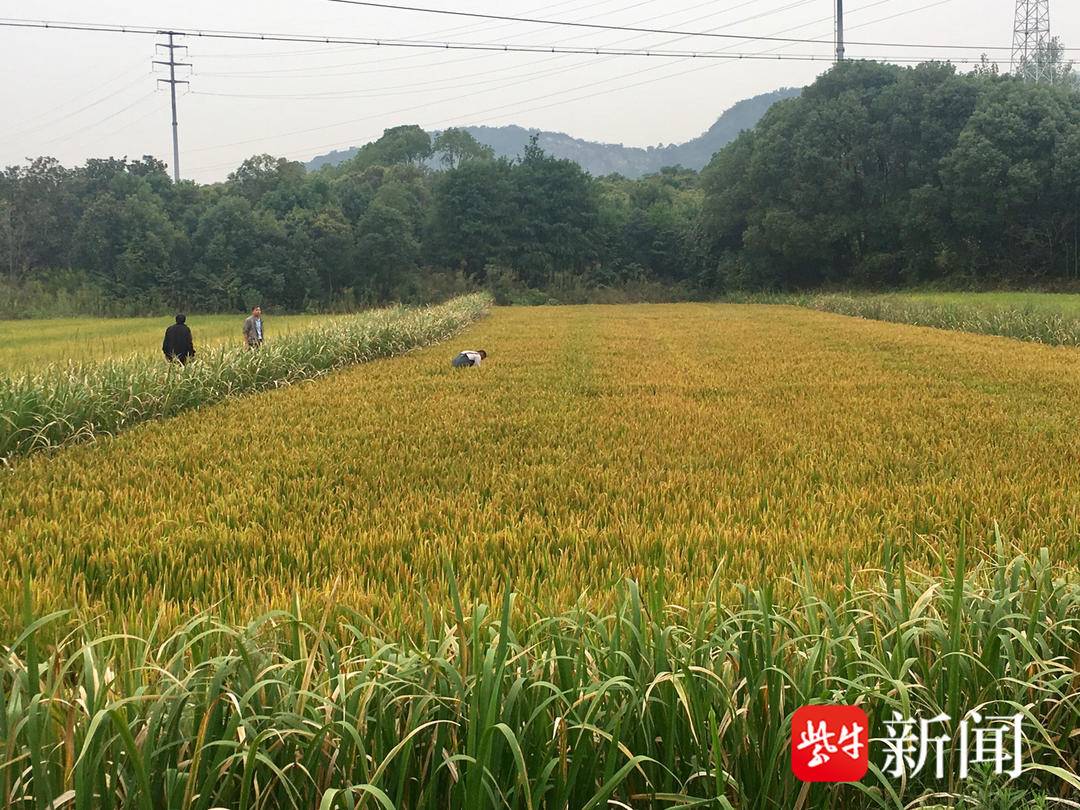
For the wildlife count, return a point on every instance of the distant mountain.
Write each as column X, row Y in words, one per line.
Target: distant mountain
column 607, row 158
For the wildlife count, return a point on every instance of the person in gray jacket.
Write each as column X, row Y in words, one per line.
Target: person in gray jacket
column 253, row 329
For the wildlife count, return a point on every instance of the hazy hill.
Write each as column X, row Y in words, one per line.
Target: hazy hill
column 607, row 158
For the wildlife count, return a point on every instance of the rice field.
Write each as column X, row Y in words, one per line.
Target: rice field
column 668, row 444
column 600, row 570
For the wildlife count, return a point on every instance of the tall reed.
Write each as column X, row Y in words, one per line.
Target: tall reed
column 1035, row 324
column 648, row 706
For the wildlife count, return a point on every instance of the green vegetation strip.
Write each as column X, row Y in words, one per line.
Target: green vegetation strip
column 648, row 706
column 1031, row 319
column 66, row 404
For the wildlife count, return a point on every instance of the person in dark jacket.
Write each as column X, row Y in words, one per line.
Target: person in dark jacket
column 178, row 345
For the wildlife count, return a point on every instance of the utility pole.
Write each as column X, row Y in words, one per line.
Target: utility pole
column 172, row 81
column 1031, row 41
column 839, row 30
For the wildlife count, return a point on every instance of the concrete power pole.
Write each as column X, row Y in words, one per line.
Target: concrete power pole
column 172, row 81
column 1031, row 40
column 839, row 30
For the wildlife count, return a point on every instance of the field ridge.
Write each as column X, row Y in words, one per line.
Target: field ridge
column 61, row 405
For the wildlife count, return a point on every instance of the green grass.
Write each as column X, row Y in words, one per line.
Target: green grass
column 30, row 344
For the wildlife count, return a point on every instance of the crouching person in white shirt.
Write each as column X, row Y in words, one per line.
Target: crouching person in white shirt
column 469, row 358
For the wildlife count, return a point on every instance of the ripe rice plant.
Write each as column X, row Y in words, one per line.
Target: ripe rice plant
column 596, row 444
column 67, row 404
column 710, row 515
column 644, row 706
column 1039, row 323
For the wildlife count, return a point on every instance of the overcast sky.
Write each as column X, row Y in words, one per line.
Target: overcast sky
column 78, row 95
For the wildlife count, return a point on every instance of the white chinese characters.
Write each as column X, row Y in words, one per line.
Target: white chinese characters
column 913, row 745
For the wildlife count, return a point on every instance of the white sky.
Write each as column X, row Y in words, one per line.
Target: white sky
column 77, row 95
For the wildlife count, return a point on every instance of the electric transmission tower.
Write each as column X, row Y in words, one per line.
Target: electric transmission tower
column 172, row 81
column 1031, row 41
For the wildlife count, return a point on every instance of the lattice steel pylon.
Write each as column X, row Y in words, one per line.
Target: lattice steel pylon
column 1031, row 40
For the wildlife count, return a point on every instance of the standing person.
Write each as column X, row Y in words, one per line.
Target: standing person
column 469, row 358
column 178, row 345
column 253, row 329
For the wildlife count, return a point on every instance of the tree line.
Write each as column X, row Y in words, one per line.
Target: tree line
column 382, row 226
column 882, row 176
column 875, row 176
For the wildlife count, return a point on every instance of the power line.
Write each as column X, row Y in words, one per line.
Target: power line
column 715, row 57
column 662, row 78
column 54, row 120
column 404, row 43
column 67, row 136
column 666, row 31
column 718, row 57
column 154, row 109
column 50, row 115
column 276, row 74
column 454, row 82
column 127, row 29
column 517, row 110
column 724, row 55
column 458, row 98
column 386, row 43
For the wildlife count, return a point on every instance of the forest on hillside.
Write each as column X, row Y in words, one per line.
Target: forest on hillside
column 613, row 158
column 875, row 176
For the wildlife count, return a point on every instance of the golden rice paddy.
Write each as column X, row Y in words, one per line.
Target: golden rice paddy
column 668, row 443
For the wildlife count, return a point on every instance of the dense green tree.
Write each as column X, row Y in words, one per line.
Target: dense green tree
column 555, row 215
column 240, row 254
column 881, row 175
column 406, row 144
column 263, row 174
column 471, row 216
column 1004, row 178
column 647, row 228
column 454, row 146
column 126, row 242
column 39, row 207
column 386, row 250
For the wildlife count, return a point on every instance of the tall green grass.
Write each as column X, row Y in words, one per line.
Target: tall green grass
column 1023, row 321
column 65, row 404
column 649, row 706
